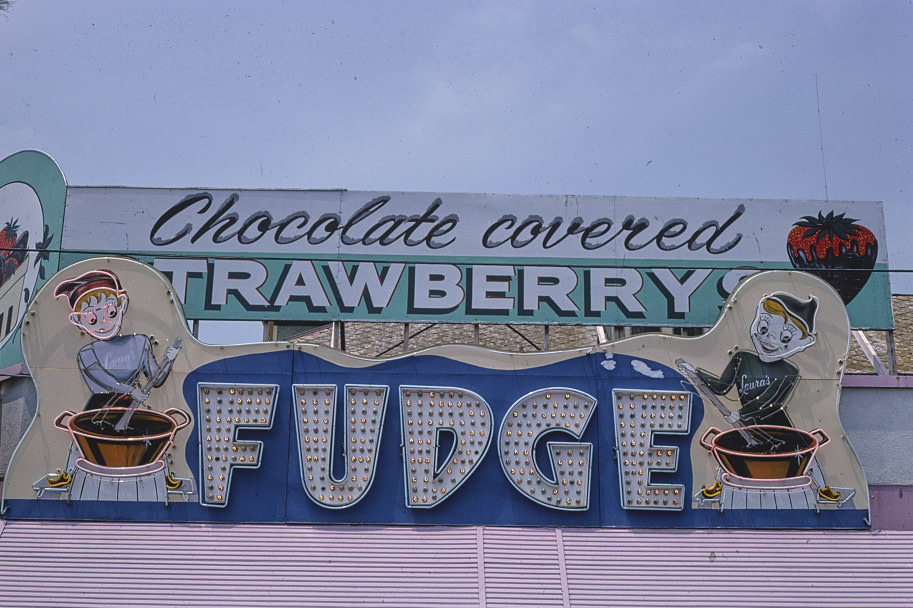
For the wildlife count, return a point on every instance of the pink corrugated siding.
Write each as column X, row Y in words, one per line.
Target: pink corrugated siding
column 110, row 564
column 739, row 568
column 105, row 564
column 521, row 567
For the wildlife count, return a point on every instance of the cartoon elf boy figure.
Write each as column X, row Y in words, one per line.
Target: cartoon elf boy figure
column 113, row 364
column 783, row 326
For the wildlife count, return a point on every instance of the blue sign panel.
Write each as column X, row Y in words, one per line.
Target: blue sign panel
column 139, row 421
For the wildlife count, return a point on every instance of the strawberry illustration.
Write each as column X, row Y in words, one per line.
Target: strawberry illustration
column 8, row 235
column 834, row 248
column 9, row 267
column 13, row 249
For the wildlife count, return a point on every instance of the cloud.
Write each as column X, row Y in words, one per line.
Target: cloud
column 642, row 368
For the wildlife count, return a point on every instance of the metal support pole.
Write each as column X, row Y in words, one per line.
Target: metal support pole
column 338, row 336
column 892, row 352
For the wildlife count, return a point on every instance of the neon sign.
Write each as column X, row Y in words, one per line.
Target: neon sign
column 726, row 429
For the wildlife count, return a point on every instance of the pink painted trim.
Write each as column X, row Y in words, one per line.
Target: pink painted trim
column 562, row 569
column 19, row 369
column 872, row 381
column 480, row 560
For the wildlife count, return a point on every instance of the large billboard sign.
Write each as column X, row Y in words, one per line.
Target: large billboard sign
column 401, row 256
column 137, row 420
column 323, row 255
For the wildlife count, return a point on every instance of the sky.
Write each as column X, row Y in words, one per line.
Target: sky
column 774, row 99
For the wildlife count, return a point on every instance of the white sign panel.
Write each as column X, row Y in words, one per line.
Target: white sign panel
column 286, row 254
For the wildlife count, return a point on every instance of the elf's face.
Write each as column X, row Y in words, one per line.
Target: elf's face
column 100, row 316
column 776, row 337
